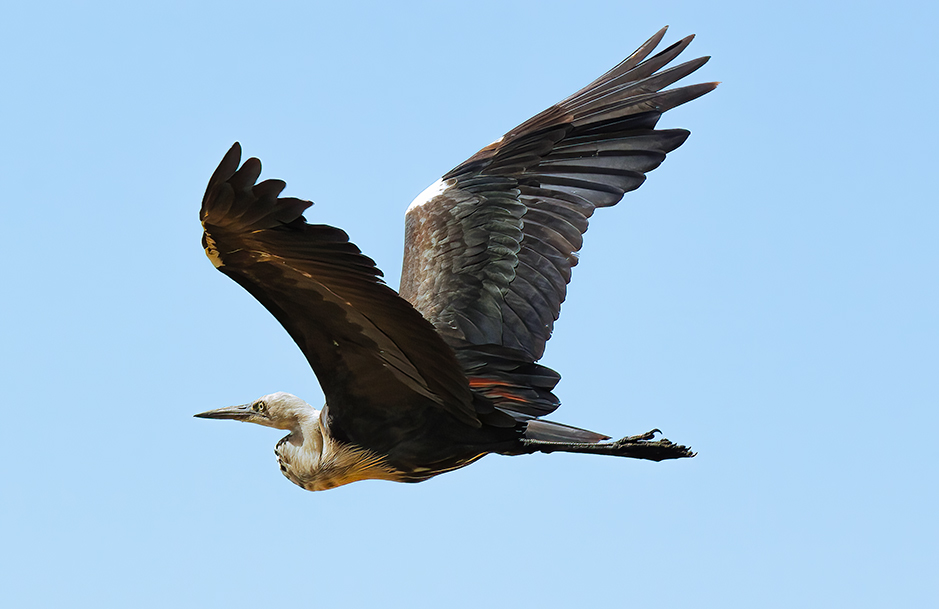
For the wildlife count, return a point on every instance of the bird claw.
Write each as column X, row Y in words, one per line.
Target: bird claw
column 649, row 435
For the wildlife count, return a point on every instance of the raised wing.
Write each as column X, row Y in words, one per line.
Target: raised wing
column 489, row 248
column 374, row 355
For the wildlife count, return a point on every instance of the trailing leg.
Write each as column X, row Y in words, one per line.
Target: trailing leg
column 635, row 447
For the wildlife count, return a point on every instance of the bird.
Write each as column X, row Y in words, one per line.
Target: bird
column 443, row 372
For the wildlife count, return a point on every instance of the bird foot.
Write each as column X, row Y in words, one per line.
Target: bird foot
column 645, row 446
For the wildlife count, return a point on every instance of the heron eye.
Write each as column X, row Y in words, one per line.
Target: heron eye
column 258, row 407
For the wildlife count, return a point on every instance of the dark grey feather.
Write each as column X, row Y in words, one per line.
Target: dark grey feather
column 506, row 232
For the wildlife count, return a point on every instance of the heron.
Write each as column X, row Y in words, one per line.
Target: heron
column 433, row 377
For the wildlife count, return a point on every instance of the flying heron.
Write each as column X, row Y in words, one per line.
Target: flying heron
column 431, row 378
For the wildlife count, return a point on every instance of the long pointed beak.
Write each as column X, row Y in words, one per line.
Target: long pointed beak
column 239, row 413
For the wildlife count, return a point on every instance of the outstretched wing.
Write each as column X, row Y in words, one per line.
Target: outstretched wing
column 369, row 348
column 489, row 248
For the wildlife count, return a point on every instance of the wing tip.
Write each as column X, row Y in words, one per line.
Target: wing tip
column 234, row 197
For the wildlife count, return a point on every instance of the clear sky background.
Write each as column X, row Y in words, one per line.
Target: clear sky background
column 769, row 297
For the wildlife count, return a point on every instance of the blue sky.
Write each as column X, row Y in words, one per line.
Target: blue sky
column 769, row 297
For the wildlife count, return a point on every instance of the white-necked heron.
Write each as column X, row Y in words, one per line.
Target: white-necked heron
column 431, row 378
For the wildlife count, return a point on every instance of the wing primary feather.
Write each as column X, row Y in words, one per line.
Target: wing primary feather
column 624, row 66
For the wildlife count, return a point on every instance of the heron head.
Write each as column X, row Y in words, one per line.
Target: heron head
column 279, row 410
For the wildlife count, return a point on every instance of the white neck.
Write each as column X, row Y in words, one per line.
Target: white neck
column 312, row 459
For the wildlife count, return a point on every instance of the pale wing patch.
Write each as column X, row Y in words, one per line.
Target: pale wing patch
column 212, row 251
column 432, row 191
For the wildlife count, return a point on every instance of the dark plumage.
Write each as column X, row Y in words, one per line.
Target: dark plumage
column 435, row 377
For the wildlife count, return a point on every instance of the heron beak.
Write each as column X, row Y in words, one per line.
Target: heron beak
column 239, row 413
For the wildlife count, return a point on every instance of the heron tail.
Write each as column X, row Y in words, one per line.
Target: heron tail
column 549, row 431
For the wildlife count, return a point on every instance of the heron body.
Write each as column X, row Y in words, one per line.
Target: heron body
column 431, row 379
